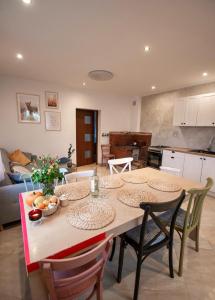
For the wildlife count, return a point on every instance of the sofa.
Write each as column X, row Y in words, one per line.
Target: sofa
column 10, row 190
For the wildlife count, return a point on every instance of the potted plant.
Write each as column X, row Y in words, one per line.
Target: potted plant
column 47, row 173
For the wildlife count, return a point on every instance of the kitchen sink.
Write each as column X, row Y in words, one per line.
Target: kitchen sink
column 202, row 151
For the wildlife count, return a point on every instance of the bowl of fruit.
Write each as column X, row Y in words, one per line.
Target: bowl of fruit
column 48, row 204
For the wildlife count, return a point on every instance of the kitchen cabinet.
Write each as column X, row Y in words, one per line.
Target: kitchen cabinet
column 173, row 159
column 185, row 112
column 208, row 170
column 192, row 167
column 206, row 112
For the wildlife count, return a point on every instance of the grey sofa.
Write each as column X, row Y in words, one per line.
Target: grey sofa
column 9, row 193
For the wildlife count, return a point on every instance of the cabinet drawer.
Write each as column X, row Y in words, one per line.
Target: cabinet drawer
column 173, row 153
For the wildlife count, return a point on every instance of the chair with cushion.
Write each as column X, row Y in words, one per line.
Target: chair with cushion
column 106, row 155
column 73, row 277
column 152, row 235
column 188, row 221
column 74, row 176
column 119, row 162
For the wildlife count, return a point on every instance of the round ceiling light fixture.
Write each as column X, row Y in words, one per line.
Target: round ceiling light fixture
column 100, row 75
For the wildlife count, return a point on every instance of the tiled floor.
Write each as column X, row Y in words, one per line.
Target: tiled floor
column 197, row 283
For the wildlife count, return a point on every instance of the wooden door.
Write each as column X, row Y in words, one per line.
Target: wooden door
column 86, row 136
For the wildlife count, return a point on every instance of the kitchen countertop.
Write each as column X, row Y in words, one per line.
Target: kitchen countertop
column 189, row 151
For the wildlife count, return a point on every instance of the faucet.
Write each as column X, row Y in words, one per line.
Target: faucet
column 211, row 142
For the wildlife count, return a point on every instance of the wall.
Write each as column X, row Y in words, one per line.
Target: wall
column 157, row 117
column 114, row 114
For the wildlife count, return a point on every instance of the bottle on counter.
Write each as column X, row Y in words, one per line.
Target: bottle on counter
column 94, row 185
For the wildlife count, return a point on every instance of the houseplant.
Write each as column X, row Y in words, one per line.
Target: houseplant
column 47, row 173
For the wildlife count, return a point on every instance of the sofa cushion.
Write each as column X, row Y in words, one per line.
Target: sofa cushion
column 16, row 177
column 20, row 157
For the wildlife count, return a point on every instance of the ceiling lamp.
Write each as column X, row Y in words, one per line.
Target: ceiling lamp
column 100, row 75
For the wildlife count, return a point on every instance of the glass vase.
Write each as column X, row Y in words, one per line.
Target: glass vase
column 48, row 188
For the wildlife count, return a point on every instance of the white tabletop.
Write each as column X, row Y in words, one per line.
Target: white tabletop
column 55, row 234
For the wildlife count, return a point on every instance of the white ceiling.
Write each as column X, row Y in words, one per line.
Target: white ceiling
column 62, row 40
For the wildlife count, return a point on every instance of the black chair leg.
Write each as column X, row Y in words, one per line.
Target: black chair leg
column 121, row 258
column 171, row 259
column 137, row 278
column 113, row 249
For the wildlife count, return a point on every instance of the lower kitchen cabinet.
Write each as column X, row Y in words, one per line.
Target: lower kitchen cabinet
column 208, row 170
column 173, row 159
column 192, row 167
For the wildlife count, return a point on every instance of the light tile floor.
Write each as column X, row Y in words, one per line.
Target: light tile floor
column 197, row 283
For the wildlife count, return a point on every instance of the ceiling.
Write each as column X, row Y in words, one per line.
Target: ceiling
column 62, row 41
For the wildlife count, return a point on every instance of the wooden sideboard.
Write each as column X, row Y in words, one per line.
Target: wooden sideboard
column 124, row 144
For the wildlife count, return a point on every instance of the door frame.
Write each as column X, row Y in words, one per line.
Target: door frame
column 97, row 135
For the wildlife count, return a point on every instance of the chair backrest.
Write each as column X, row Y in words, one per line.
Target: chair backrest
column 71, row 277
column 74, row 176
column 169, row 170
column 160, row 227
column 195, row 204
column 105, row 149
column 29, row 184
column 126, row 162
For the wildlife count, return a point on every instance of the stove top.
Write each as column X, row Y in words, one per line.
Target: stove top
column 157, row 148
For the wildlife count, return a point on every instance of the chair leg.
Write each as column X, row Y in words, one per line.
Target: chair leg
column 113, row 249
column 197, row 237
column 121, row 258
column 171, row 272
column 181, row 259
column 137, row 277
column 99, row 291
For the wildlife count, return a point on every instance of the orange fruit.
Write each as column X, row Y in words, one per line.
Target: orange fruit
column 41, row 206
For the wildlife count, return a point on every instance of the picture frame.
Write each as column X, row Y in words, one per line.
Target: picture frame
column 53, row 120
column 28, row 108
column 52, row 100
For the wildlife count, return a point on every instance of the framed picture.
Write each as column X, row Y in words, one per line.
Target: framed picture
column 53, row 120
column 52, row 100
column 28, row 108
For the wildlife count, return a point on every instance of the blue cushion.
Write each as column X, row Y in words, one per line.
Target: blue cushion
column 17, row 177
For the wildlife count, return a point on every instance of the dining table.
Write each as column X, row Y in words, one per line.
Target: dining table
column 56, row 237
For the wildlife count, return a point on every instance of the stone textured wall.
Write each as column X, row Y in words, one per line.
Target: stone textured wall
column 157, row 117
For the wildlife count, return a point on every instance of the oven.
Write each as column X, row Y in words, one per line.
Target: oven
column 155, row 154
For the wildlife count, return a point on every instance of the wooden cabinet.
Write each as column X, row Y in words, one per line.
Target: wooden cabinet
column 192, row 167
column 185, row 112
column 195, row 111
column 206, row 112
column 173, row 159
column 208, row 170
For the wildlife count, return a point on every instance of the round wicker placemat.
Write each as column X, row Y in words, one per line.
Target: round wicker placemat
column 163, row 186
column 109, row 182
column 131, row 178
column 91, row 215
column 133, row 197
column 73, row 191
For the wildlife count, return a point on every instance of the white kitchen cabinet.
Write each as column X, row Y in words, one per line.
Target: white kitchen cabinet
column 192, row 167
column 208, row 170
column 173, row 159
column 206, row 111
column 185, row 112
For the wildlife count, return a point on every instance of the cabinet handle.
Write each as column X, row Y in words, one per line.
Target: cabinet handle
column 200, row 157
column 173, row 151
column 204, row 158
column 182, row 123
column 172, row 157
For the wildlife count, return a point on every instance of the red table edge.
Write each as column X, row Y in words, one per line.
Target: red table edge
column 34, row 266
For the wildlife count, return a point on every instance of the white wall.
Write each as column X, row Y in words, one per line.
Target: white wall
column 115, row 115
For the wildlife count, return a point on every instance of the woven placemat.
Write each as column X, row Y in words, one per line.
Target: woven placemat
column 91, row 215
column 73, row 191
column 134, row 178
column 163, row 186
column 133, row 197
column 110, row 182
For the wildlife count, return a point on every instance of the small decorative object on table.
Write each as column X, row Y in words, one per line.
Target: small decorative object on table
column 70, row 152
column 94, row 185
column 47, row 174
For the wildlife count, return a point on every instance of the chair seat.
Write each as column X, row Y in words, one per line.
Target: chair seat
column 153, row 233
column 179, row 219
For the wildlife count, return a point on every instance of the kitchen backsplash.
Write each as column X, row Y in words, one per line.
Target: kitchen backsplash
column 157, row 117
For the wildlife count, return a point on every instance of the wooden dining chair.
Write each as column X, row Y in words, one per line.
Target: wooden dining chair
column 29, row 184
column 152, row 235
column 74, row 176
column 106, row 155
column 125, row 162
column 188, row 221
column 73, row 277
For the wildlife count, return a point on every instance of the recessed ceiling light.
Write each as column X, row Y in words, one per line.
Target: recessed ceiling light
column 100, row 75
column 26, row 1
column 204, row 74
column 153, row 87
column 19, row 56
column 146, row 48
column 84, row 83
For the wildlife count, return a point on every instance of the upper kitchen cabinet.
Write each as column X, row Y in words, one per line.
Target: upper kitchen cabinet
column 185, row 112
column 206, row 111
